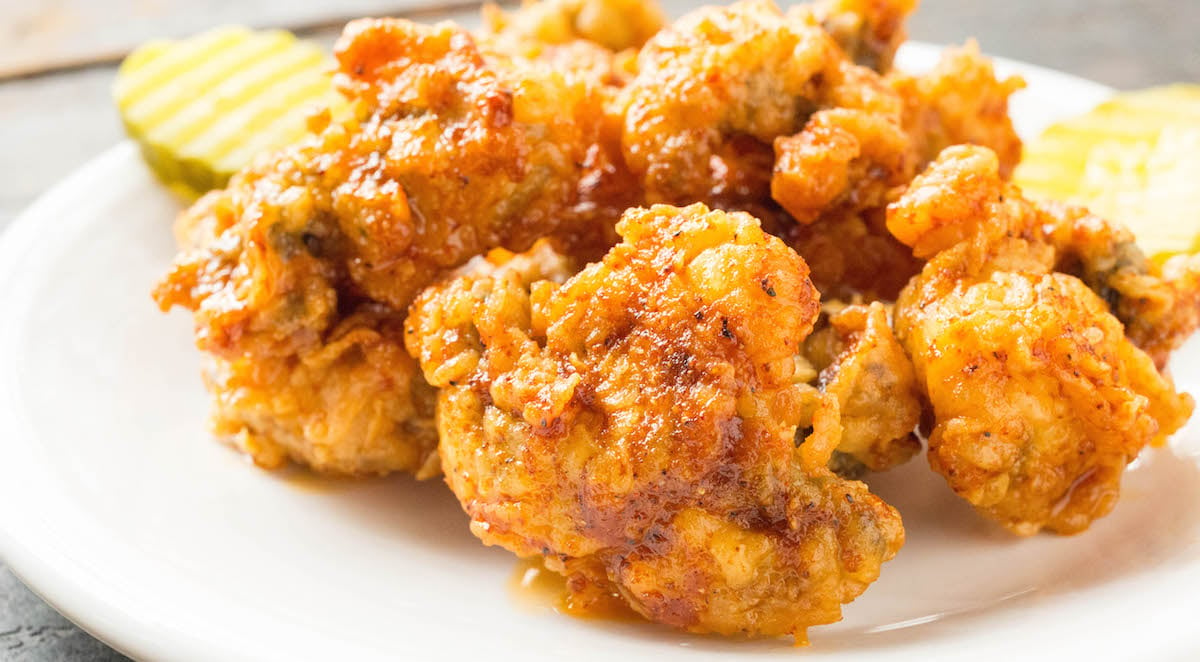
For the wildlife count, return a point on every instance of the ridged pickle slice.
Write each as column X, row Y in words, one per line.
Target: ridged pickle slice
column 201, row 108
column 1134, row 158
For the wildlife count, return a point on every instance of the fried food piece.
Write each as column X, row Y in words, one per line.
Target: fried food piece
column 716, row 88
column 843, row 161
column 863, row 365
column 835, row 179
column 460, row 154
column 352, row 405
column 291, row 376
column 869, row 31
column 635, row 426
column 1159, row 303
column 840, row 172
column 971, row 201
column 614, row 24
column 854, row 255
column 451, row 152
column 354, row 401
column 254, row 288
column 1039, row 399
column 960, row 101
column 450, row 158
column 736, row 105
column 744, row 105
column 597, row 39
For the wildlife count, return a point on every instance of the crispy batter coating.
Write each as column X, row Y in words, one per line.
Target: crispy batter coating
column 839, row 173
column 635, row 426
column 844, row 161
column 292, row 376
column 745, row 107
column 835, row 178
column 596, row 39
column 971, row 201
column 854, row 255
column 350, row 405
column 1159, row 304
column 1039, row 398
column 960, row 101
column 869, row 31
column 714, row 89
column 613, row 24
column 862, row 364
column 479, row 153
column 452, row 151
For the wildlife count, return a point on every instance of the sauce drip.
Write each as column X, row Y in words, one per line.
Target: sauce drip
column 536, row 588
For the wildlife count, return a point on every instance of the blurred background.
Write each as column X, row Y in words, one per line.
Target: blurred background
column 58, row 58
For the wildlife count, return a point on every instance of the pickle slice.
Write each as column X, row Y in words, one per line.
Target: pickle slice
column 203, row 107
column 1135, row 159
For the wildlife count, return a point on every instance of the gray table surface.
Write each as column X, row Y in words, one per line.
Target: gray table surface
column 51, row 124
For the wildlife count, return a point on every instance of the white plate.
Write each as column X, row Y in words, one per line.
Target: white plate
column 118, row 509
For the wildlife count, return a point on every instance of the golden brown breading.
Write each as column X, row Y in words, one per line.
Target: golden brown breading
column 854, row 255
column 960, row 101
column 1159, row 304
column 972, row 200
column 1039, row 399
column 480, row 154
column 614, row 24
column 835, row 178
column 743, row 107
column 840, row 172
column 255, row 287
column 451, row 152
column 353, row 404
column 597, row 39
column 844, row 161
column 717, row 87
column 863, row 365
column 635, row 427
column 869, row 31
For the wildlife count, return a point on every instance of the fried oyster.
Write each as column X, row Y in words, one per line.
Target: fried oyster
column 862, row 365
column 714, row 89
column 299, row 273
column 615, row 25
column 635, row 426
column 869, row 31
column 750, row 108
column 838, row 174
column 1039, row 398
column 960, row 101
